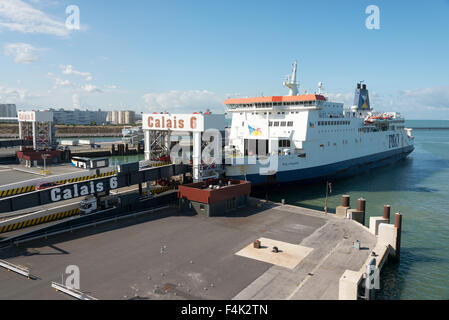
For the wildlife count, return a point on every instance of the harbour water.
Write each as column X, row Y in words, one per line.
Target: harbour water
column 418, row 188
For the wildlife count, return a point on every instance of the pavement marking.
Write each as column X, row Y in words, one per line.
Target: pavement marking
column 310, row 275
column 289, row 255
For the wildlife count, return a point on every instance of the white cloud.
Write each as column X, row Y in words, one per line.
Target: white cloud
column 17, row 15
column 425, row 103
column 61, row 83
column 91, row 88
column 184, row 101
column 13, row 95
column 436, row 97
column 76, row 100
column 68, row 69
column 22, row 52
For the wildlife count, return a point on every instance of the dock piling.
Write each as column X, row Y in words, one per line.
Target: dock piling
column 345, row 200
column 361, row 204
column 387, row 212
column 398, row 226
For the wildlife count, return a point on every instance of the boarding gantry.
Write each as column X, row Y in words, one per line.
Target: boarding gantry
column 165, row 135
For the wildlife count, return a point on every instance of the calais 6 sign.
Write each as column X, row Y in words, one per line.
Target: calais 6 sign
column 178, row 122
column 82, row 189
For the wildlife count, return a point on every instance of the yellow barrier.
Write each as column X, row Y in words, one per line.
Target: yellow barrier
column 16, row 191
column 160, row 164
column 36, row 221
column 12, row 192
column 79, row 179
column 158, row 190
column 161, row 189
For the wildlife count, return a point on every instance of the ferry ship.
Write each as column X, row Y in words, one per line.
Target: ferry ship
column 307, row 137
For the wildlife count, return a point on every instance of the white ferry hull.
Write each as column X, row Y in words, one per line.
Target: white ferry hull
column 251, row 172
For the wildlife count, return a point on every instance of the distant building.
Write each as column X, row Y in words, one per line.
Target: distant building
column 121, row 117
column 77, row 116
column 8, row 111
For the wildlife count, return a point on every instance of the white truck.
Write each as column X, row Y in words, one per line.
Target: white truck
column 92, row 204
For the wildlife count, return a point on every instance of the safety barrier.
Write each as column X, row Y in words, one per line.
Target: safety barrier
column 17, row 269
column 160, row 164
column 158, row 190
column 26, row 222
column 85, row 178
column 12, row 192
column 71, row 292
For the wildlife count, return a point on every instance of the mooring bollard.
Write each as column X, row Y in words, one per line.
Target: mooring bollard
column 345, row 199
column 387, row 212
column 398, row 226
column 341, row 210
column 361, row 204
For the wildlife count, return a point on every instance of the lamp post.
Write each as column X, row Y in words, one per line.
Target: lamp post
column 328, row 190
column 44, row 157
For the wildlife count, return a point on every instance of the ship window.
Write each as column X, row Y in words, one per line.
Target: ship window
column 283, row 123
column 276, row 123
column 290, row 124
column 255, row 147
column 284, row 143
column 270, row 124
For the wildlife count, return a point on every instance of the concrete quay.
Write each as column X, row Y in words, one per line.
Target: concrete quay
column 177, row 255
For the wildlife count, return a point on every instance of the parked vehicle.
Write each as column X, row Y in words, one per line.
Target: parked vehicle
column 46, row 185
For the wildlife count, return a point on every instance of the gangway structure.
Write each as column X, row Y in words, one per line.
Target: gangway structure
column 166, row 135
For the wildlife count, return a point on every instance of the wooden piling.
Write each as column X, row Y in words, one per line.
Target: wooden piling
column 361, row 204
column 345, row 200
column 398, row 226
column 387, row 212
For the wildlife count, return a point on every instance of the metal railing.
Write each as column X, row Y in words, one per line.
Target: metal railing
column 71, row 292
column 17, row 269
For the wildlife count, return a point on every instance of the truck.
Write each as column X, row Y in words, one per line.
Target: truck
column 93, row 204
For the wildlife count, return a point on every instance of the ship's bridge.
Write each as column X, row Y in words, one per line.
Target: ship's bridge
column 309, row 101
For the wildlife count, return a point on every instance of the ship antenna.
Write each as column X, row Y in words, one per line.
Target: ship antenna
column 291, row 81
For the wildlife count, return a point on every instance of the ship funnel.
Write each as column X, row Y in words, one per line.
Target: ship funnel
column 361, row 98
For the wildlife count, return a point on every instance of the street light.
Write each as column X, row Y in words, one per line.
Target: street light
column 45, row 157
column 328, row 190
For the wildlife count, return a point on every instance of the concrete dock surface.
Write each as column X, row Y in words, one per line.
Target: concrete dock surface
column 15, row 173
column 176, row 255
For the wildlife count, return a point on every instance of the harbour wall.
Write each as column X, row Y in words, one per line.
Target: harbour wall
column 388, row 246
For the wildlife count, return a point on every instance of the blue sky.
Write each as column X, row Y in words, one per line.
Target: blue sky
column 191, row 55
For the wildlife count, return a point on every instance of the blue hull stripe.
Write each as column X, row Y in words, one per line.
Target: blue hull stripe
column 331, row 171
